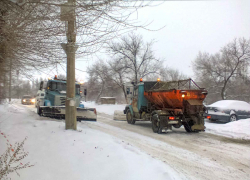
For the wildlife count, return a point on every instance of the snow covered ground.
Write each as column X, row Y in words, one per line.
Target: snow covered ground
column 115, row 150
column 238, row 130
column 66, row 154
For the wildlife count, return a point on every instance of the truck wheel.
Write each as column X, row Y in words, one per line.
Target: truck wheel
column 156, row 124
column 129, row 116
column 188, row 126
column 133, row 121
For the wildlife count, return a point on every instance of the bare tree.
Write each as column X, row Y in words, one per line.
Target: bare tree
column 32, row 32
column 98, row 78
column 226, row 66
column 135, row 55
column 170, row 74
column 119, row 73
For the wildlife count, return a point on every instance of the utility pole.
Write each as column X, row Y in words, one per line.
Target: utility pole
column 68, row 15
column 10, row 79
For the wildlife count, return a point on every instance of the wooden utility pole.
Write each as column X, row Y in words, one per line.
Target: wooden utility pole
column 10, row 79
column 68, row 15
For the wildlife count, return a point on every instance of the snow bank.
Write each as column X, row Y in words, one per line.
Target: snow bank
column 84, row 154
column 238, row 129
column 105, row 108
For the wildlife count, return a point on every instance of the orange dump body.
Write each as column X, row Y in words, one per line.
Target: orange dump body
column 173, row 98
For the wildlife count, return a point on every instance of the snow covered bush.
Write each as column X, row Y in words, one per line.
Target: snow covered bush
column 10, row 160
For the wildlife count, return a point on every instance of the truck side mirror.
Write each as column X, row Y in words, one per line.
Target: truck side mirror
column 85, row 92
column 41, row 86
column 128, row 90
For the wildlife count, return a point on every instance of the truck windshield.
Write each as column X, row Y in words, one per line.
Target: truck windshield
column 59, row 86
column 27, row 97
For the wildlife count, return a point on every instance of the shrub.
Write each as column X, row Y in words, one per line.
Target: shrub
column 10, row 160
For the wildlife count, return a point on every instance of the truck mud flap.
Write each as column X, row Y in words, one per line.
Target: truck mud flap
column 198, row 127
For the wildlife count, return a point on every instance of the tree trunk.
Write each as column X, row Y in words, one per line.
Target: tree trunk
column 223, row 97
column 10, row 79
column 125, row 93
column 98, row 96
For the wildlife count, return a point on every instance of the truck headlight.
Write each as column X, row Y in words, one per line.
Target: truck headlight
column 33, row 100
column 24, row 100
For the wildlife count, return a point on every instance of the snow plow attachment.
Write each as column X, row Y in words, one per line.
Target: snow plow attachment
column 119, row 115
column 86, row 114
column 198, row 127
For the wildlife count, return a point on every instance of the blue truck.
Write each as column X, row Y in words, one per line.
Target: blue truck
column 53, row 103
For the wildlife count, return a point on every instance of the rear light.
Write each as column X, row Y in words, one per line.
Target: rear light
column 95, row 111
column 208, row 117
column 171, row 118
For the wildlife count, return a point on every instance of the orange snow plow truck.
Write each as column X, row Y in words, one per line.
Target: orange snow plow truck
column 167, row 104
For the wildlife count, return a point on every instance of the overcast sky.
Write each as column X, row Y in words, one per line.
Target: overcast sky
column 190, row 27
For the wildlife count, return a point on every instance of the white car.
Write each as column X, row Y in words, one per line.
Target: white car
column 39, row 96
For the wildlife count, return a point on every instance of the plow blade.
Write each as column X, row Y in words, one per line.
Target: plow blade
column 198, row 127
column 60, row 111
column 119, row 115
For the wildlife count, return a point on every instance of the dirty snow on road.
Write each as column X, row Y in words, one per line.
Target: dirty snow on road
column 195, row 155
column 83, row 154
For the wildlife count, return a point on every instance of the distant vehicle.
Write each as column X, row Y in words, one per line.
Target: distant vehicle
column 27, row 99
column 39, row 97
column 228, row 110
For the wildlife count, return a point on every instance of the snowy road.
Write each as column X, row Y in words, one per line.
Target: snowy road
column 195, row 156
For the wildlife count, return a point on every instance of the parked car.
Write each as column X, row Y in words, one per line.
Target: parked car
column 27, row 99
column 39, row 97
column 228, row 110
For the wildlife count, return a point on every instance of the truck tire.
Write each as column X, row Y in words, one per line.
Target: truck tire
column 188, row 126
column 156, row 124
column 133, row 121
column 129, row 116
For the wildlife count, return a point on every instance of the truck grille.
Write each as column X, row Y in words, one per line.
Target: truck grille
column 62, row 99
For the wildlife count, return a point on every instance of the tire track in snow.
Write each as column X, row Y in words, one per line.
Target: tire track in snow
column 196, row 156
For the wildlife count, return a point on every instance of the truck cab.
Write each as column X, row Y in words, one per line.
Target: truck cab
column 55, row 93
